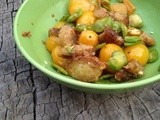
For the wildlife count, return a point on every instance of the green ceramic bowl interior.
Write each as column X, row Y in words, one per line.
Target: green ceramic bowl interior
column 37, row 16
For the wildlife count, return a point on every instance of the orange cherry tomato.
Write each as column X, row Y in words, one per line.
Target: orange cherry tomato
column 88, row 37
column 51, row 43
column 106, row 52
column 57, row 59
column 138, row 52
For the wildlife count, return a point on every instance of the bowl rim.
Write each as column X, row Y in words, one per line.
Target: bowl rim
column 63, row 79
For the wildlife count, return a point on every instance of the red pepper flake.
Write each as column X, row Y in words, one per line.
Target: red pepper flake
column 26, row 34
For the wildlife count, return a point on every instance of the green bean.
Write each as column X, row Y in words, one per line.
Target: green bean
column 75, row 15
column 124, row 30
column 130, row 44
column 153, row 55
column 99, row 46
column 104, row 77
column 132, row 39
column 60, row 69
column 81, row 28
column 64, row 18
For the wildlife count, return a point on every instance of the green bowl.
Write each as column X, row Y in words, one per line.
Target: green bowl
column 37, row 16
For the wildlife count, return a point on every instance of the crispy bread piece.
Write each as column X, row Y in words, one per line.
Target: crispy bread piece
column 85, row 68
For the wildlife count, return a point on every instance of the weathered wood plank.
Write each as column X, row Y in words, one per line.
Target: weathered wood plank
column 27, row 94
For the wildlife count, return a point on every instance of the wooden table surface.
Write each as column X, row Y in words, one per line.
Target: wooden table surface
column 27, row 94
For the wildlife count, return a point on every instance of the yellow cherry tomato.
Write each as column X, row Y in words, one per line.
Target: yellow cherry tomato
column 51, row 43
column 85, row 5
column 106, row 52
column 138, row 52
column 88, row 37
column 57, row 59
column 87, row 18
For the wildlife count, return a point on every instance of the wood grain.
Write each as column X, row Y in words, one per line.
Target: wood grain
column 27, row 94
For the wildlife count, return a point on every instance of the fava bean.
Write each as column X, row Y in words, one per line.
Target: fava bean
column 117, row 26
column 135, row 21
column 102, row 23
column 117, row 61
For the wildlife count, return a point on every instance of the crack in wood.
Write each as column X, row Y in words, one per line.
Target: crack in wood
column 20, row 87
column 34, row 93
column 6, row 114
column 144, row 107
column 156, row 92
column 1, row 42
column 130, row 107
column 113, row 100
